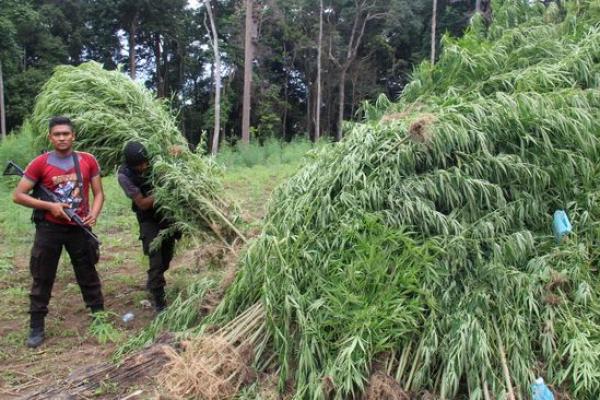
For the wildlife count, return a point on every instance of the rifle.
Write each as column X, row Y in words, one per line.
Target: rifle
column 14, row 170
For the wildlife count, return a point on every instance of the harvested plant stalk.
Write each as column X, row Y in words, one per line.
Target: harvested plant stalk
column 215, row 366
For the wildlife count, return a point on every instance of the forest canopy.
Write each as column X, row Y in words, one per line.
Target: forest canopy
column 167, row 47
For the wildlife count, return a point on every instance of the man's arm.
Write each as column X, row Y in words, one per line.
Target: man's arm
column 21, row 196
column 98, row 191
column 143, row 203
column 134, row 193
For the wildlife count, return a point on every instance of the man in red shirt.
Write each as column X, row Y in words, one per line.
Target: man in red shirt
column 57, row 171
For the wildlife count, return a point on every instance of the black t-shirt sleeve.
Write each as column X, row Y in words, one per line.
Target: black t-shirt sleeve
column 128, row 187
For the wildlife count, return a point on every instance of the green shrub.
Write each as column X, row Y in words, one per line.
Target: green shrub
column 18, row 147
column 271, row 152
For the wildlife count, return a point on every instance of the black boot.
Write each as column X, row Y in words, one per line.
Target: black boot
column 160, row 302
column 36, row 334
column 97, row 313
column 97, row 309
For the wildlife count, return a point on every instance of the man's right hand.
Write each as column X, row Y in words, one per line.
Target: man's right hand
column 58, row 210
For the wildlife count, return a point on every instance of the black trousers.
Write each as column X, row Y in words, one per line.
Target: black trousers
column 159, row 259
column 45, row 254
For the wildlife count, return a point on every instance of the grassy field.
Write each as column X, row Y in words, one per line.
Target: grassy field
column 70, row 343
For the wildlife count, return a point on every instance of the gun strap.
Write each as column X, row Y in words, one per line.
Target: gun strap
column 77, row 170
column 79, row 177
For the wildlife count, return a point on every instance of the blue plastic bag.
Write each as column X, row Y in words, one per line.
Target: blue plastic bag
column 540, row 391
column 560, row 225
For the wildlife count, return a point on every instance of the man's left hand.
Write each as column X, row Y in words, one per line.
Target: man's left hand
column 90, row 220
column 176, row 150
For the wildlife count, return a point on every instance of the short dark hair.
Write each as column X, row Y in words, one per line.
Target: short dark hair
column 135, row 154
column 59, row 120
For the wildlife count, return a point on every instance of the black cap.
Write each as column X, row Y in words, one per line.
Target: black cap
column 135, row 154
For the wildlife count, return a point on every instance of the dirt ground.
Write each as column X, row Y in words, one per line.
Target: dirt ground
column 69, row 345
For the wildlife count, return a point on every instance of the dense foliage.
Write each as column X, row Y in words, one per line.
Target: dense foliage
column 172, row 55
column 421, row 245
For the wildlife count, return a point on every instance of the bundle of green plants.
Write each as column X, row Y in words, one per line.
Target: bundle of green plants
column 421, row 246
column 109, row 110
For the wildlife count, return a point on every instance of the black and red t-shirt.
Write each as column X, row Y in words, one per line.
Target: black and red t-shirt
column 57, row 173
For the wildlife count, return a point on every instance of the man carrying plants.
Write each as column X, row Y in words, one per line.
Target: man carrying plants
column 69, row 175
column 135, row 182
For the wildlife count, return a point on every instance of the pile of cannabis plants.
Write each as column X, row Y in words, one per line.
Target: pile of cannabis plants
column 109, row 110
column 421, row 246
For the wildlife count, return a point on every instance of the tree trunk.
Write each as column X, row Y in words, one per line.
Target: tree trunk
column 342, row 90
column 329, row 107
column 308, row 112
column 353, row 80
column 181, row 69
column 361, row 17
column 248, row 59
column 2, row 109
column 160, row 89
column 217, row 75
column 286, row 105
column 319, row 91
column 132, row 52
column 285, row 99
column 485, row 8
column 165, row 71
column 478, row 6
column 433, row 26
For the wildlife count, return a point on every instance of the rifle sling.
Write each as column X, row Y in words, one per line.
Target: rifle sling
column 77, row 170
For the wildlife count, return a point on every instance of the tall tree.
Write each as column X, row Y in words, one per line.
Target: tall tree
column 363, row 12
column 214, row 39
column 65, row 20
column 2, row 109
column 131, row 19
column 249, row 36
column 319, row 91
column 158, row 60
column 297, row 88
column 101, row 41
column 28, row 50
column 162, row 31
column 433, row 26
